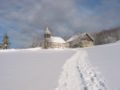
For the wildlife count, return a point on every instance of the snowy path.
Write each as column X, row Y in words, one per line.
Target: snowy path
column 78, row 74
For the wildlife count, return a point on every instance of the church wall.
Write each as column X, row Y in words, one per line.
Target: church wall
column 57, row 45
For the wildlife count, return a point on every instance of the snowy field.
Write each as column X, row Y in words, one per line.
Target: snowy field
column 106, row 59
column 69, row 69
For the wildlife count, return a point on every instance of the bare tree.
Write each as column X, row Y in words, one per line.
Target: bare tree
column 36, row 42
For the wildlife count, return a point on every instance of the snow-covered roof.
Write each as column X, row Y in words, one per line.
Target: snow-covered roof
column 57, row 39
column 81, row 35
column 72, row 38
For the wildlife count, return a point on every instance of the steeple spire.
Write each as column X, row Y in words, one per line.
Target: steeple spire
column 47, row 31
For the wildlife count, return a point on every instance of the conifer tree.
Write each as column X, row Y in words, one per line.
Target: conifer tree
column 5, row 41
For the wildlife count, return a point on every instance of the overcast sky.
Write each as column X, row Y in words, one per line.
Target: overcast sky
column 26, row 19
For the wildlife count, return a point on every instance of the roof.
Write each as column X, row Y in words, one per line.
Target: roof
column 72, row 38
column 80, row 36
column 57, row 39
column 88, row 35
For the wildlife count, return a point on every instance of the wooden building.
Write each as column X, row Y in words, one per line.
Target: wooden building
column 81, row 40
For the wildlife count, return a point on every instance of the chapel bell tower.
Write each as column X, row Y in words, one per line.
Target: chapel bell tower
column 47, row 33
column 47, row 36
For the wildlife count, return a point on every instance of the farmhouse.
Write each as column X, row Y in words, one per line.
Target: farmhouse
column 50, row 41
column 81, row 40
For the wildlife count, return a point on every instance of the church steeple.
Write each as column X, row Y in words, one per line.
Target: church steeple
column 47, row 36
column 47, row 33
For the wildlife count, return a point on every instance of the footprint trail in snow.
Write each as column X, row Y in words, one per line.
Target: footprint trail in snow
column 78, row 74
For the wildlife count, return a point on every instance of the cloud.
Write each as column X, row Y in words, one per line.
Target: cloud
column 27, row 18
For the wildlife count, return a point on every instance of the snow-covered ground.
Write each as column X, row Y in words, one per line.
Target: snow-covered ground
column 106, row 59
column 64, row 69
column 78, row 74
column 31, row 69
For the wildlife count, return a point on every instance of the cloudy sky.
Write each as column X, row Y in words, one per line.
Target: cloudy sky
column 23, row 20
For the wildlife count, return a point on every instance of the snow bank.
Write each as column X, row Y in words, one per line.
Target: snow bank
column 78, row 74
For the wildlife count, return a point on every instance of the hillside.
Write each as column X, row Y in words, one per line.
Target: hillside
column 106, row 59
column 71, row 69
column 107, row 36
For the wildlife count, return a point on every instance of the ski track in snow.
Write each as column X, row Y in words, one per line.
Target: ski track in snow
column 78, row 74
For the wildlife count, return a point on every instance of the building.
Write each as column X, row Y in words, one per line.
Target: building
column 81, row 40
column 87, row 40
column 50, row 41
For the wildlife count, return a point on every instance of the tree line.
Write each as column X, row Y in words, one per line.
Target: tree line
column 107, row 36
